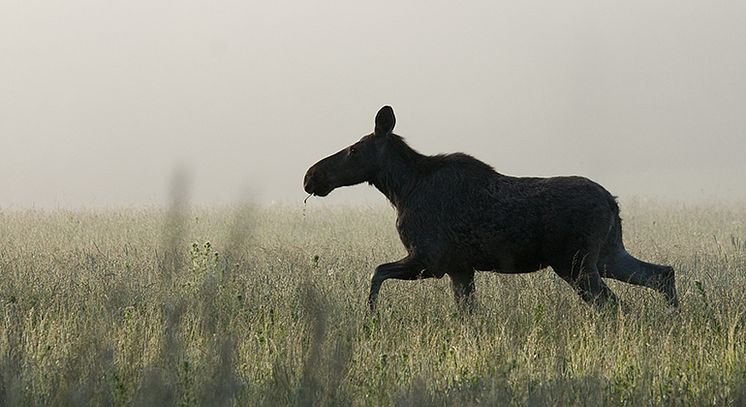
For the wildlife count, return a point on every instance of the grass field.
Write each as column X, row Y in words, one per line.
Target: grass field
column 266, row 306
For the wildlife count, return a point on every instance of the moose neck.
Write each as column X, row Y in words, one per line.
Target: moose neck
column 398, row 173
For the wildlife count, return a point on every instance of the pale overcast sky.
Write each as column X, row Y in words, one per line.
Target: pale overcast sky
column 101, row 101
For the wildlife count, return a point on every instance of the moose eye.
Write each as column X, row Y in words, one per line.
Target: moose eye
column 353, row 150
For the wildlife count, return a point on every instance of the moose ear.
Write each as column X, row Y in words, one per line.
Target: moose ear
column 385, row 121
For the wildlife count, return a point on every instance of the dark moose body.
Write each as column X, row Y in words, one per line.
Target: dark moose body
column 457, row 215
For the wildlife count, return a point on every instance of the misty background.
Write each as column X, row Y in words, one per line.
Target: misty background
column 100, row 102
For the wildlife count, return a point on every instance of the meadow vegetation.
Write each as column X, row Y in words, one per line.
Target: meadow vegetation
column 267, row 306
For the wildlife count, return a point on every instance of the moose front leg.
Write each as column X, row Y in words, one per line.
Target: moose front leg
column 462, row 283
column 404, row 269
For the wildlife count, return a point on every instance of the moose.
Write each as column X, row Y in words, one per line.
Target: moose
column 457, row 215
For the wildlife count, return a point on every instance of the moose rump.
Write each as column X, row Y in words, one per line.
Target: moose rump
column 456, row 215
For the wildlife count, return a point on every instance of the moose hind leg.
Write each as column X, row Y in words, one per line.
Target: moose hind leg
column 587, row 282
column 623, row 267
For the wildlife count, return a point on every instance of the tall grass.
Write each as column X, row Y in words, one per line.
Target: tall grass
column 266, row 306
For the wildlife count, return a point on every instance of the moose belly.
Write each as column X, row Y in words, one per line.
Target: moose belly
column 511, row 270
column 510, row 265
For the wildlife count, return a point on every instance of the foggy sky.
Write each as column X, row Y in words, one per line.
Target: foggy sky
column 100, row 102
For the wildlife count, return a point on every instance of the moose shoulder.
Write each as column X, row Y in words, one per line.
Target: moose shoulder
column 456, row 215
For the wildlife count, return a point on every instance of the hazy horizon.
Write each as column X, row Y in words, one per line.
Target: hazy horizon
column 100, row 103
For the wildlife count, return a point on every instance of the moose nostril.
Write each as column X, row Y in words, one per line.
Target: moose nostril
column 307, row 179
